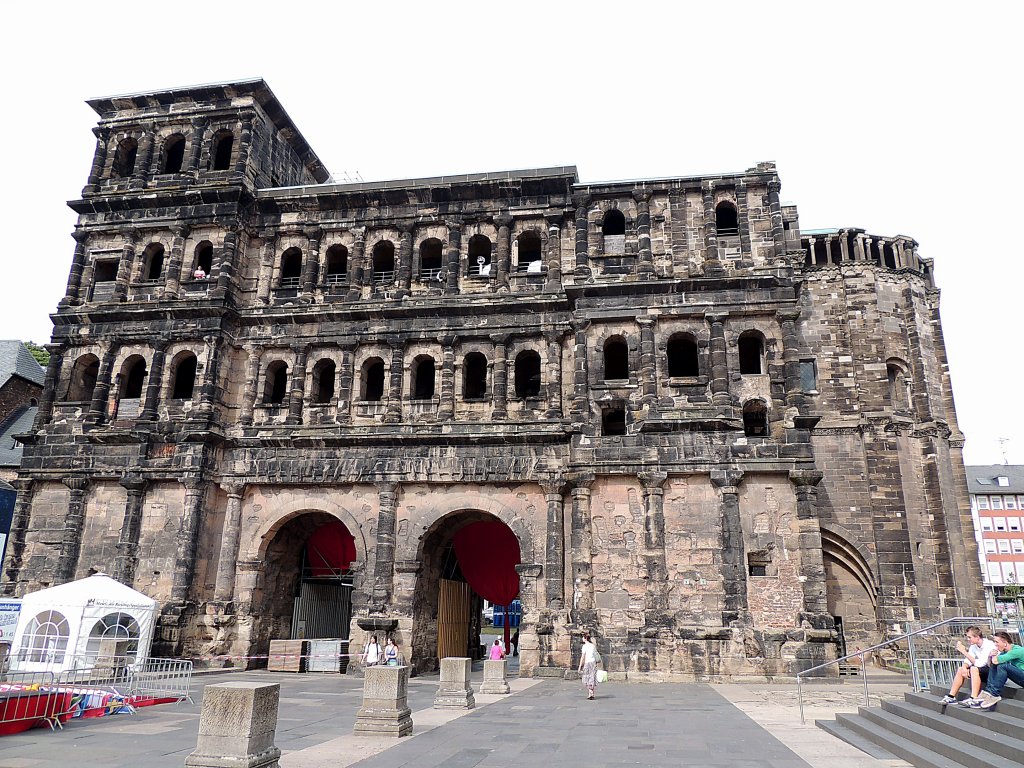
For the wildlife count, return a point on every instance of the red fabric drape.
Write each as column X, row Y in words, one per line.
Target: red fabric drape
column 488, row 554
column 330, row 550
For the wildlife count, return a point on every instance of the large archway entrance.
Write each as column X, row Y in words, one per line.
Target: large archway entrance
column 307, row 580
column 466, row 557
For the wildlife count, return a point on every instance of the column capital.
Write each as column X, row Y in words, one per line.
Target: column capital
column 313, row 232
column 407, row 227
column 192, row 483
column 76, row 483
column 716, row 317
column 453, row 222
column 503, row 220
column 388, row 486
column 529, row 570
column 395, row 342
column 727, row 480
column 805, row 477
column 22, row 484
column 646, row 320
column 641, row 195
column 554, row 336
column 653, row 480
column 579, row 324
column 500, row 338
column 788, row 315
column 180, row 230
column 580, row 481
column 554, row 487
column 130, row 235
column 448, row 339
column 774, row 186
column 80, row 235
column 581, row 201
column 234, row 490
column 554, row 220
column 133, row 483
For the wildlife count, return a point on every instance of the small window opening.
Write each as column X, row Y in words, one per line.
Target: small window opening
column 899, row 391
column 479, row 256
column 134, row 380
column 174, row 153
column 383, row 262
column 105, row 271
column 808, row 376
column 889, row 255
column 837, row 250
column 222, row 146
column 337, row 264
column 124, row 158
column 373, row 380
column 616, row 360
column 154, row 261
column 613, row 419
column 323, row 382
column 291, row 268
column 875, row 253
column 759, row 562
column 185, row 378
column 614, row 223
column 474, row 371
column 431, row 260
column 682, row 357
column 726, row 220
column 751, row 355
column 527, row 374
column 83, row 379
column 755, row 419
column 204, row 259
column 277, row 383
column 529, row 247
column 820, row 252
column 423, row 379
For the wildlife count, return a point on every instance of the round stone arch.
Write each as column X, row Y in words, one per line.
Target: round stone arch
column 264, row 536
column 851, row 587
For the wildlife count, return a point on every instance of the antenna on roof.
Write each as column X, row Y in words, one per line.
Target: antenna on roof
column 348, row 178
column 1002, row 447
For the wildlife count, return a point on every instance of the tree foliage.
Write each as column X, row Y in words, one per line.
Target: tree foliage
column 39, row 353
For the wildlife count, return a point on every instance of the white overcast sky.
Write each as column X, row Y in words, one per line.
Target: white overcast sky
column 902, row 118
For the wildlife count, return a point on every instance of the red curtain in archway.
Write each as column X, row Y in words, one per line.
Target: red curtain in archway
column 330, row 550
column 488, row 554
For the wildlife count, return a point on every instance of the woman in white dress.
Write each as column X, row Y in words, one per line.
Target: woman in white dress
column 372, row 653
column 588, row 664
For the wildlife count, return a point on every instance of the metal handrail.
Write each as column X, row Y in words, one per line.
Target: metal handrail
column 879, row 646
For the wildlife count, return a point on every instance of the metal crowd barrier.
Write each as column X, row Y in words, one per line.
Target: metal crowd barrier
column 162, row 679
column 28, row 699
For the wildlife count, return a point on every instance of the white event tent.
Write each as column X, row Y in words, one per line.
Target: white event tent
column 65, row 627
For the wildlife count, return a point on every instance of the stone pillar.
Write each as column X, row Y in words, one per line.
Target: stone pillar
column 582, row 543
column 252, row 375
column 145, row 156
column 345, row 381
column 719, row 361
column 237, row 726
column 71, row 536
column 208, row 387
column 653, row 484
column 385, row 710
column 454, row 691
column 504, row 252
column 49, row 386
column 265, row 279
column 298, row 385
column 226, row 266
column 243, row 130
column 128, row 543
column 172, row 285
column 446, row 409
column 495, row 677
column 859, row 252
column 311, row 266
column 98, row 406
column 156, row 371
column 186, row 543
column 553, row 281
column 582, row 271
column 393, row 414
column 384, row 561
column 844, row 247
column 648, row 362
column 743, row 221
column 778, row 227
column 124, row 267
column 791, row 357
column 499, row 386
column 99, row 158
column 812, row 564
column 195, row 143
column 19, row 527
column 554, row 557
column 712, row 263
column 734, row 556
column 451, row 284
column 224, row 590
column 71, row 293
column 645, row 260
column 554, row 377
column 405, row 260
column 580, row 376
column 357, row 265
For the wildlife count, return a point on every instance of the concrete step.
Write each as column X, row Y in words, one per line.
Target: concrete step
column 1010, row 691
column 993, row 720
column 955, row 729
column 903, row 748
column 960, row 752
column 854, row 739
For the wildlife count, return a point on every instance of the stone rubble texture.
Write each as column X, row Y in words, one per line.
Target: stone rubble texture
column 644, row 511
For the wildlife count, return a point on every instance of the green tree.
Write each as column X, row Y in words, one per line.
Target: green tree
column 39, row 353
column 1014, row 591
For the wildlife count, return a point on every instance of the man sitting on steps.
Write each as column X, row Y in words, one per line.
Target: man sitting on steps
column 1007, row 664
column 975, row 667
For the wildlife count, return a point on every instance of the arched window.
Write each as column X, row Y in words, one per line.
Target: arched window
column 83, row 379
column 431, row 260
column 528, row 245
column 323, row 381
column 755, row 418
column 291, row 268
column 614, row 223
column 726, row 219
column 616, row 359
column 751, row 354
column 174, row 153
column 124, row 158
column 372, row 380
column 337, row 264
column 154, row 261
column 527, row 374
column 479, row 256
column 682, row 357
column 422, row 378
column 382, row 262
column 276, row 386
column 119, row 628
column 46, row 638
column 220, row 153
column 899, row 387
column 133, row 376
column 204, row 258
column 184, row 377
column 474, row 376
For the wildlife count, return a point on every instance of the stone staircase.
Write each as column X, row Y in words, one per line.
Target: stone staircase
column 927, row 734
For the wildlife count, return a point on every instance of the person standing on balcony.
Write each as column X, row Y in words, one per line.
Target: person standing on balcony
column 975, row 667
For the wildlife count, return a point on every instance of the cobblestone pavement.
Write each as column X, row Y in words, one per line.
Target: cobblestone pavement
column 543, row 721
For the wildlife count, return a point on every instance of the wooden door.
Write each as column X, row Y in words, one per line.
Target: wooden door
column 453, row 619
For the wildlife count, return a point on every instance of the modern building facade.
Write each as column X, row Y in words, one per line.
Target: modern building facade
column 275, row 403
column 997, row 506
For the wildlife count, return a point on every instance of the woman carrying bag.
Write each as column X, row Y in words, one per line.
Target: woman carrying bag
column 589, row 659
column 372, row 654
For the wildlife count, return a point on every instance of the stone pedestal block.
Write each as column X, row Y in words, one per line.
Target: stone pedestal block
column 454, row 691
column 237, row 727
column 494, row 676
column 385, row 710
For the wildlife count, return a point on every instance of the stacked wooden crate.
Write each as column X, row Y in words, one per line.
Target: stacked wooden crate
column 287, row 656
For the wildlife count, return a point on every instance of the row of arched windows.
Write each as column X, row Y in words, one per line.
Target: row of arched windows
column 132, row 377
column 613, row 223
column 172, row 154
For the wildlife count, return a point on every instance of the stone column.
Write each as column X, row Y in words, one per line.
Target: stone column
column 582, row 271
column 252, row 375
column 844, row 247
column 98, row 406
column 504, row 252
column 393, row 414
column 446, row 408
column 653, row 484
column 156, row 372
column 743, row 220
column 49, row 386
column 384, row 562
column 405, row 259
column 734, row 556
column 778, row 227
column 581, row 377
column 812, row 564
column 554, row 559
column 791, row 357
column 554, row 377
column 224, row 591
column 648, row 362
column 719, row 361
column 859, row 252
column 145, row 156
column 172, row 285
column 357, row 265
column 195, row 143
column 553, row 281
column 454, row 690
column 71, row 536
column 645, row 260
column 265, row 279
column 99, row 158
column 499, row 386
column 582, row 543
column 712, row 263
column 495, row 674
column 345, row 382
column 208, row 387
column 226, row 266
column 19, row 527
column 186, row 543
column 451, row 285
column 385, row 710
column 124, row 267
column 298, row 385
column 131, row 524
column 237, row 726
column 71, row 293
column 311, row 266
column 243, row 130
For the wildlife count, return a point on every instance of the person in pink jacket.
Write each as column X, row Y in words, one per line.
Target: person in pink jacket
column 497, row 652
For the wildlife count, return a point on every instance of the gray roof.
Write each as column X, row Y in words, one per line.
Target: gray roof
column 982, row 479
column 16, row 360
column 19, row 422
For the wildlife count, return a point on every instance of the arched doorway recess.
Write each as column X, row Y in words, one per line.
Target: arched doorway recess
column 851, row 594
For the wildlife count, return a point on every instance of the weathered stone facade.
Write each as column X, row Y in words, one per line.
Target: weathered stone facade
column 709, row 432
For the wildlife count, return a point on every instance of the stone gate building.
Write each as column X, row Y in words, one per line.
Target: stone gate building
column 723, row 444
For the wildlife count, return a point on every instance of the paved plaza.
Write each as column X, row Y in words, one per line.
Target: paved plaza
column 543, row 722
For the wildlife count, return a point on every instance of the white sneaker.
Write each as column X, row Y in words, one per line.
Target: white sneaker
column 948, row 699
